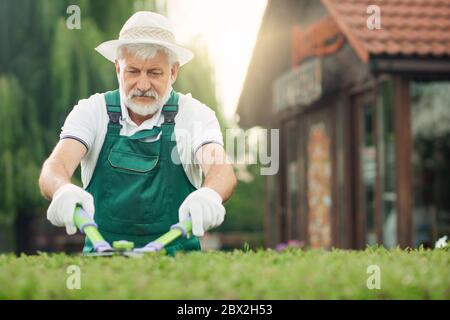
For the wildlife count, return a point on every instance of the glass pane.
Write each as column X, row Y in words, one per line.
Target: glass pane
column 430, row 103
column 386, row 149
column 369, row 172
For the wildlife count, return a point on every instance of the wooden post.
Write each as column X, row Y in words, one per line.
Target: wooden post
column 403, row 166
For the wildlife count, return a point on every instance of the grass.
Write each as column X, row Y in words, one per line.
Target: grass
column 261, row 274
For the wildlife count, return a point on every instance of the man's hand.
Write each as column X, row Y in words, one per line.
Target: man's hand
column 55, row 185
column 205, row 208
column 61, row 209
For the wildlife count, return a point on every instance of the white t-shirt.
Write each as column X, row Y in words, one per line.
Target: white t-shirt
column 195, row 125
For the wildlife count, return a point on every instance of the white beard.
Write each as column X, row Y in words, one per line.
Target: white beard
column 142, row 110
column 146, row 109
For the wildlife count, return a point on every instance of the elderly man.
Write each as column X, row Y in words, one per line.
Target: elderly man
column 143, row 148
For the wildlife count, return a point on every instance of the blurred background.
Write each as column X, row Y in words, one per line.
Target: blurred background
column 360, row 91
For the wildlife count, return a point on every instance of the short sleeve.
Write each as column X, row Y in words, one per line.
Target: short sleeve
column 81, row 123
column 207, row 129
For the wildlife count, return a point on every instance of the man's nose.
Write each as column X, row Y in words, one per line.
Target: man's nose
column 144, row 84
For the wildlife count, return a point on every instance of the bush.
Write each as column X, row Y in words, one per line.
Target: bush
column 261, row 274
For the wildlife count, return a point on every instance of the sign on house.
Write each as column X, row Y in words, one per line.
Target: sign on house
column 300, row 86
column 303, row 85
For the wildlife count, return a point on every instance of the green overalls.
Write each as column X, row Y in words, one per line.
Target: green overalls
column 137, row 187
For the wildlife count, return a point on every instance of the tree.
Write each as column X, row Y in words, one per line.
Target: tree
column 44, row 69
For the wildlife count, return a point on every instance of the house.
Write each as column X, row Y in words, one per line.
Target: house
column 360, row 91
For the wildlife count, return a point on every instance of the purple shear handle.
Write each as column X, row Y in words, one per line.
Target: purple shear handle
column 150, row 247
column 158, row 246
column 180, row 227
column 102, row 246
column 86, row 224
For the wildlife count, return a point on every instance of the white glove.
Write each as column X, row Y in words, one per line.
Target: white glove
column 61, row 209
column 205, row 208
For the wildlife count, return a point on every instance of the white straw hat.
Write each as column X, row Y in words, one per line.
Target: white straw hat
column 146, row 27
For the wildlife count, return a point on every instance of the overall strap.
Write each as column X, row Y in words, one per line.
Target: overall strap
column 112, row 99
column 170, row 110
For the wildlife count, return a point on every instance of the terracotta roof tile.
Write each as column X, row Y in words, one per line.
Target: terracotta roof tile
column 409, row 27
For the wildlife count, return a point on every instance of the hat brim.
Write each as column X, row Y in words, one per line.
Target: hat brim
column 108, row 49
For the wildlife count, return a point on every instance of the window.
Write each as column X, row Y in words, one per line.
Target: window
column 386, row 154
column 430, row 113
column 368, row 169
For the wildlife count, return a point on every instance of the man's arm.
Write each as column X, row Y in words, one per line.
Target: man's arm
column 55, row 184
column 60, row 166
column 218, row 171
column 204, row 205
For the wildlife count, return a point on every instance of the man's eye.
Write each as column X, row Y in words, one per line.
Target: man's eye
column 133, row 71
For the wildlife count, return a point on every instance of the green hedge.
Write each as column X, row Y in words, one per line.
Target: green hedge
column 261, row 274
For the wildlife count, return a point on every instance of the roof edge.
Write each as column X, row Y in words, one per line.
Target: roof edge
column 359, row 48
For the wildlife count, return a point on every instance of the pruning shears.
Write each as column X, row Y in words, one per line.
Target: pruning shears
column 102, row 248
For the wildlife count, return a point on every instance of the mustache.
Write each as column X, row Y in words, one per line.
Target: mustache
column 138, row 93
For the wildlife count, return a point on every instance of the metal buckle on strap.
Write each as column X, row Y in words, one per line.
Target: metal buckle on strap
column 114, row 117
column 169, row 116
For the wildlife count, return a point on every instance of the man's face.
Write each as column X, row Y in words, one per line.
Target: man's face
column 146, row 84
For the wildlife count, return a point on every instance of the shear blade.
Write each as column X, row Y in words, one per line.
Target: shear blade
column 128, row 254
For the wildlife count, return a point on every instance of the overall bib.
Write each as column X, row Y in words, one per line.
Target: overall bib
column 136, row 186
